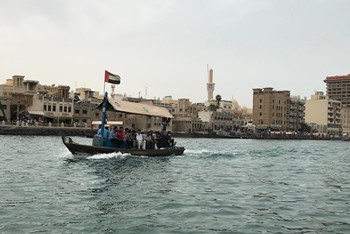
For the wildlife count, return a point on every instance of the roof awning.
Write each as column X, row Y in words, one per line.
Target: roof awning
column 137, row 108
column 33, row 112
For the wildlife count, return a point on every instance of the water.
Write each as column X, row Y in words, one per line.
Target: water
column 219, row 186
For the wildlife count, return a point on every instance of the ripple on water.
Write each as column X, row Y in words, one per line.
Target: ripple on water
column 218, row 186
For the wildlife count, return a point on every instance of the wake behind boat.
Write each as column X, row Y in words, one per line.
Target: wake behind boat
column 80, row 149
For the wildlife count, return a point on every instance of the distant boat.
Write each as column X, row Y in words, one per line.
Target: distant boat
column 80, row 149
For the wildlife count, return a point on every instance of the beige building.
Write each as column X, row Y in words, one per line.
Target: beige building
column 220, row 121
column 271, row 108
column 20, row 92
column 323, row 114
column 5, row 104
column 338, row 88
column 345, row 119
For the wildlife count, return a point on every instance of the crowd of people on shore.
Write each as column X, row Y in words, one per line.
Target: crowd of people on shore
column 131, row 139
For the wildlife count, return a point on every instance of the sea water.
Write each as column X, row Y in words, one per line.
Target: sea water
column 217, row 186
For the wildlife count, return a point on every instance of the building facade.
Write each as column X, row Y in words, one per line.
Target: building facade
column 323, row 114
column 271, row 108
column 338, row 88
column 345, row 120
column 296, row 113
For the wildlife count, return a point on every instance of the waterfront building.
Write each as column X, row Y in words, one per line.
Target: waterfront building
column 296, row 113
column 345, row 120
column 5, row 104
column 338, row 88
column 20, row 92
column 220, row 121
column 323, row 114
column 59, row 108
column 271, row 108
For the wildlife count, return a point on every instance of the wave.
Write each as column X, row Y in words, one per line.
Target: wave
column 108, row 156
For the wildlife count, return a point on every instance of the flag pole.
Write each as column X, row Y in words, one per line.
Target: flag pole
column 104, row 109
column 104, row 84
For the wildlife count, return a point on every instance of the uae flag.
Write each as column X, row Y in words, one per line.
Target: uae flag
column 111, row 78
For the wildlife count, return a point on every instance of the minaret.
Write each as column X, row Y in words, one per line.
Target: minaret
column 112, row 91
column 210, row 84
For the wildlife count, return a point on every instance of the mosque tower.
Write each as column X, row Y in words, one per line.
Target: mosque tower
column 210, row 84
column 112, row 91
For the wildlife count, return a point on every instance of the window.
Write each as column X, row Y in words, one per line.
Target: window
column 84, row 112
column 260, row 114
column 69, row 109
column 97, row 114
column 61, row 108
column 49, row 107
column 54, row 108
column 45, row 108
column 260, row 106
column 77, row 111
column 65, row 109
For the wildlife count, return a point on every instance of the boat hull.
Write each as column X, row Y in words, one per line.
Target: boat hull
column 80, row 149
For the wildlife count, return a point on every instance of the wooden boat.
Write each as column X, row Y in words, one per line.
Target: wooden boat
column 80, row 149
column 128, row 108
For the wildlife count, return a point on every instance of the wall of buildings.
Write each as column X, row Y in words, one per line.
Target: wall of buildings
column 323, row 114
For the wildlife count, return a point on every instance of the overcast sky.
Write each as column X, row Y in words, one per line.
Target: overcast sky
column 165, row 45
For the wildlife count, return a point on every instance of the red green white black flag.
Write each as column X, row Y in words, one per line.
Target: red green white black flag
column 112, row 78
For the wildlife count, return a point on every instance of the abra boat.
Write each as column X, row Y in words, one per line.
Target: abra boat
column 80, row 149
column 129, row 108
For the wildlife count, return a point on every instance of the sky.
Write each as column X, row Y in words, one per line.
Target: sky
column 162, row 47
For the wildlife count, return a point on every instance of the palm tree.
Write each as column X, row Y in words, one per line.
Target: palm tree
column 212, row 107
column 218, row 99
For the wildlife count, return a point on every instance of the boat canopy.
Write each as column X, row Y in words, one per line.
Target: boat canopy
column 136, row 108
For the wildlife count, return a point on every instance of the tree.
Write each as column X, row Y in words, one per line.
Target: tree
column 213, row 107
column 218, row 100
column 305, row 128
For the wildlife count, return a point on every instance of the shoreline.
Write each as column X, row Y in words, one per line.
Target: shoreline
column 88, row 132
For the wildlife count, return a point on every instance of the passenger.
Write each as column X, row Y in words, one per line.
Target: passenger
column 106, row 134
column 99, row 132
column 126, row 138
column 144, row 139
column 157, row 144
column 139, row 139
column 133, row 139
column 150, row 140
column 113, row 136
column 120, row 138
column 170, row 140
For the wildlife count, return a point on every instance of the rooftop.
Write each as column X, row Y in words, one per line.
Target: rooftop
column 341, row 77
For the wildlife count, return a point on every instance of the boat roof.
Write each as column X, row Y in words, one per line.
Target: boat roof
column 136, row 108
